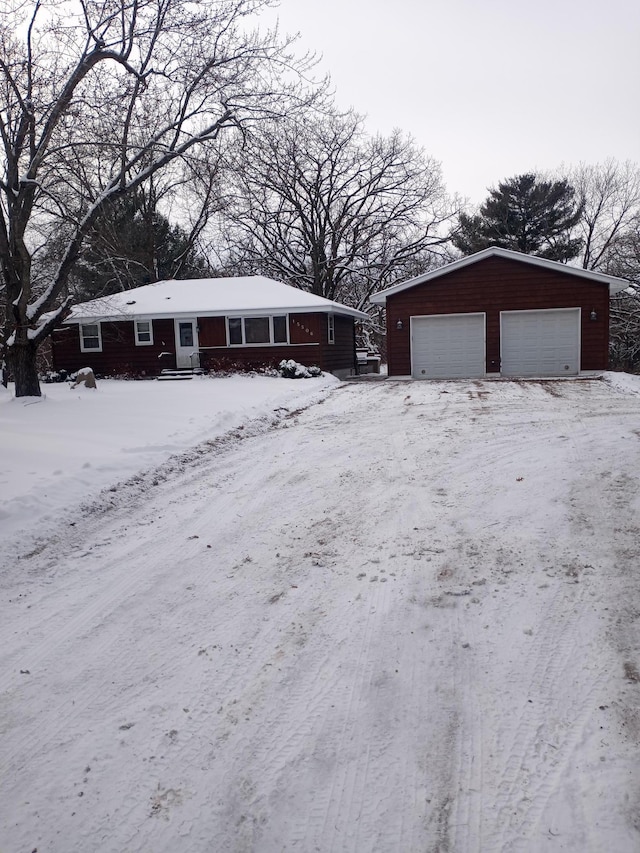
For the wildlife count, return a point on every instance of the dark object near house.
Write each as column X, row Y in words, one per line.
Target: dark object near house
column 499, row 312
column 215, row 324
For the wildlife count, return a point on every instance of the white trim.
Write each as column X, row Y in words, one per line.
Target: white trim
column 482, row 314
column 224, row 312
column 331, row 328
column 253, row 316
column 136, row 333
column 615, row 284
column 81, row 326
column 546, row 311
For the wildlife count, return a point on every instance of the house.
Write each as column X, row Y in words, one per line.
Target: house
column 214, row 323
column 499, row 313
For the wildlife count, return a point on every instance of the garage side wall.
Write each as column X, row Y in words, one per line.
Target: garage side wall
column 494, row 285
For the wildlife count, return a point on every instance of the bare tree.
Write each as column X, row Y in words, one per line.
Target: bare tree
column 625, row 255
column 323, row 206
column 610, row 230
column 152, row 233
column 96, row 97
column 624, row 344
column 624, row 260
column 610, row 192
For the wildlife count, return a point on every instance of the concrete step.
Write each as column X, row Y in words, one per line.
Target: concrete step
column 180, row 373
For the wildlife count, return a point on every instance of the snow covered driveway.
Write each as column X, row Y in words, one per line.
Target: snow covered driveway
column 406, row 618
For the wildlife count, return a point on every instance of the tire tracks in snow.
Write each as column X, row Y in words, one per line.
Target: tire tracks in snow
column 349, row 665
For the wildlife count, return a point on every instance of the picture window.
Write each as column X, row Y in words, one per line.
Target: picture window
column 257, row 331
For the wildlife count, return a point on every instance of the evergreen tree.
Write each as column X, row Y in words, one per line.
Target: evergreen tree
column 132, row 244
column 525, row 214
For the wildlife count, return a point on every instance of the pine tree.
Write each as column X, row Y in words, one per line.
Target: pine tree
column 133, row 244
column 527, row 215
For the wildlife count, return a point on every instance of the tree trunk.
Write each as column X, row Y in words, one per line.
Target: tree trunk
column 22, row 364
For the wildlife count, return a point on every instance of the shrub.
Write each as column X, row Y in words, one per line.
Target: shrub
column 54, row 376
column 290, row 369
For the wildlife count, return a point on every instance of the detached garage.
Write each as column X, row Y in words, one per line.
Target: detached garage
column 499, row 313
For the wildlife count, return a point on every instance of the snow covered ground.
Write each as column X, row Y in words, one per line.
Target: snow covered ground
column 69, row 444
column 365, row 617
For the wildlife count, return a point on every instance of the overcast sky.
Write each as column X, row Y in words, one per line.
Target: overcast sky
column 491, row 88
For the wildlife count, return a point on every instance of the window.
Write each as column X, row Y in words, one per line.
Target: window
column 144, row 333
column 331, row 329
column 90, row 338
column 257, row 331
column 186, row 334
column 235, row 330
column 280, row 330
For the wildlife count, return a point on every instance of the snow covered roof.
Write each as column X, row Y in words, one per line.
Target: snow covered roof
column 207, row 297
column 615, row 284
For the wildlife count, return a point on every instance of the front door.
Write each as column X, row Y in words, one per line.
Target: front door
column 187, row 354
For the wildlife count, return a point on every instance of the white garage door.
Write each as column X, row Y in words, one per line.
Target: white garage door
column 540, row 343
column 447, row 346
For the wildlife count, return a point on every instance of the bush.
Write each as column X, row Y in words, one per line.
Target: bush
column 54, row 376
column 290, row 369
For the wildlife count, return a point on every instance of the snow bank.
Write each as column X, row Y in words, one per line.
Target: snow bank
column 627, row 382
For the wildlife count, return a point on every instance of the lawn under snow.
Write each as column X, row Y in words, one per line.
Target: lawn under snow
column 314, row 616
column 62, row 448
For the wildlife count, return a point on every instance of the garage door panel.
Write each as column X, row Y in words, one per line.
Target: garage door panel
column 540, row 343
column 448, row 346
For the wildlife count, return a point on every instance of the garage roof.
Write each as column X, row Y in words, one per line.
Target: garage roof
column 207, row 297
column 615, row 284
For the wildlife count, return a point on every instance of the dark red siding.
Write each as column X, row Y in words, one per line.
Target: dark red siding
column 212, row 332
column 308, row 345
column 307, row 328
column 494, row 285
column 120, row 356
column 342, row 353
column 308, row 335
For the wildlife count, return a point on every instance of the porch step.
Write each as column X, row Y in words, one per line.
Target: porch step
column 179, row 374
